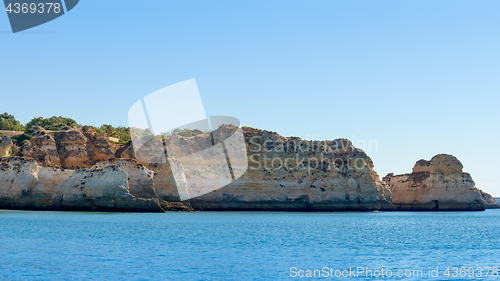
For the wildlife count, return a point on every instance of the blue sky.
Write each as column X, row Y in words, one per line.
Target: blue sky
column 418, row 77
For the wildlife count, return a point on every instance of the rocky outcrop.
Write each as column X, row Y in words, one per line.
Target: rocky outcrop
column 489, row 200
column 295, row 175
column 115, row 185
column 70, row 149
column 107, row 188
column 5, row 145
column 26, row 185
column 435, row 185
column 283, row 174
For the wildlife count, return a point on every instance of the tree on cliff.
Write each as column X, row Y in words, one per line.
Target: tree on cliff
column 121, row 133
column 53, row 123
column 107, row 129
column 9, row 122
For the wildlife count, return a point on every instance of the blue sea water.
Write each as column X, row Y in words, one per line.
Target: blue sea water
column 245, row 245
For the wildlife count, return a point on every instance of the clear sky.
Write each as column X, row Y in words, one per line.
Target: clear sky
column 418, row 77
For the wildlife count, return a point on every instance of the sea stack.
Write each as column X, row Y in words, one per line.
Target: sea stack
column 435, row 185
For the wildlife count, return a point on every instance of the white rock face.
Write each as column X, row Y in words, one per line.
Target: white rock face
column 17, row 177
column 116, row 184
column 48, row 178
column 110, row 186
column 96, row 188
column 25, row 184
column 140, row 179
column 438, row 184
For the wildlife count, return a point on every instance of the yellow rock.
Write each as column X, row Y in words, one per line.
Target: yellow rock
column 438, row 184
column 5, row 145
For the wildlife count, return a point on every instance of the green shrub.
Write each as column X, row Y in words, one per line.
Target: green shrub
column 19, row 139
column 9, row 122
column 53, row 123
column 121, row 133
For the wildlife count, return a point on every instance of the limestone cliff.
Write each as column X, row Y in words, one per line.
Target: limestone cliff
column 79, row 169
column 437, row 185
column 115, row 185
column 293, row 174
column 283, row 174
column 107, row 188
column 26, row 185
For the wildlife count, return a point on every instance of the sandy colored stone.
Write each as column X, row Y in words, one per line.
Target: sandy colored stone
column 70, row 149
column 78, row 169
column 5, row 145
column 490, row 202
column 329, row 176
column 438, row 184
column 318, row 176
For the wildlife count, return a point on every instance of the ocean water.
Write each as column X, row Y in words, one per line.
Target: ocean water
column 247, row 245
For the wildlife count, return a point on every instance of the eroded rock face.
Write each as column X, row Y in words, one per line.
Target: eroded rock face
column 489, row 200
column 438, row 184
column 441, row 163
column 43, row 149
column 283, row 174
column 5, row 145
column 70, row 149
column 165, row 185
column 291, row 174
column 114, row 185
column 139, row 178
column 25, row 184
column 100, row 189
